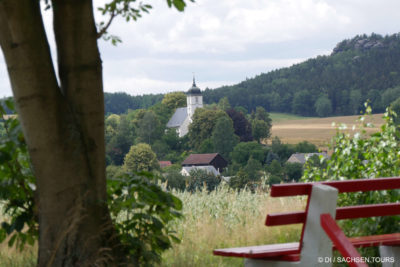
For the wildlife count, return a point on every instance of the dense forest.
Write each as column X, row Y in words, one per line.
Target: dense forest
column 358, row 69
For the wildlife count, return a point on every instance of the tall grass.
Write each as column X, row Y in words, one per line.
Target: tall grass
column 226, row 218
column 12, row 257
column 218, row 219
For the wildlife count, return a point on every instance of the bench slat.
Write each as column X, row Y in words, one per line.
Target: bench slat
column 289, row 251
column 375, row 240
column 257, row 252
column 348, row 186
column 342, row 213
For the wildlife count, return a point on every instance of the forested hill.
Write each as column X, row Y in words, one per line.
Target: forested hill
column 365, row 67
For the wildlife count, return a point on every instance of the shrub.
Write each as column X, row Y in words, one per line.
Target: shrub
column 199, row 178
column 362, row 156
column 141, row 212
column 175, row 180
column 293, row 171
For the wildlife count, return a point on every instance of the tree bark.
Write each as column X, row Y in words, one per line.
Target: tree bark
column 63, row 126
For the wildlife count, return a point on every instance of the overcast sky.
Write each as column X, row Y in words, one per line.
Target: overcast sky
column 226, row 41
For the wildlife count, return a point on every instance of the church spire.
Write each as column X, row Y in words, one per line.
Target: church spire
column 194, row 81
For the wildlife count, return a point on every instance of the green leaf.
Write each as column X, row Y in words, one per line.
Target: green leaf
column 10, row 104
column 12, row 240
column 179, row 4
column 3, row 234
column 5, row 157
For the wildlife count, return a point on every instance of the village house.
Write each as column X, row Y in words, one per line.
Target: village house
column 212, row 163
column 164, row 163
column 302, row 157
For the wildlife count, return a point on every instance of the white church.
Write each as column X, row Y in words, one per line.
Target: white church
column 182, row 117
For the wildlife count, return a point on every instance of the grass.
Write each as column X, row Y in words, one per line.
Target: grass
column 318, row 131
column 9, row 257
column 12, row 257
column 222, row 218
column 279, row 117
column 225, row 218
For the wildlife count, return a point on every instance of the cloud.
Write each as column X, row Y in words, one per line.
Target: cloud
column 156, row 75
column 225, row 41
column 5, row 87
column 228, row 26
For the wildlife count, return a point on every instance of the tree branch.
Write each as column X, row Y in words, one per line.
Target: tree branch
column 104, row 29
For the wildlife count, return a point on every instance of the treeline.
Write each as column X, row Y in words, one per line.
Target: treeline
column 359, row 69
column 365, row 67
column 118, row 103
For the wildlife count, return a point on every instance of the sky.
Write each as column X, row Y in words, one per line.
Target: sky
column 227, row 41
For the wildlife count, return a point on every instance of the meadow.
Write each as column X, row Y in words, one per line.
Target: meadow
column 227, row 218
column 318, row 131
column 279, row 117
column 217, row 219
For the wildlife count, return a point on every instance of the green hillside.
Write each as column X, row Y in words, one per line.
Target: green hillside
column 365, row 67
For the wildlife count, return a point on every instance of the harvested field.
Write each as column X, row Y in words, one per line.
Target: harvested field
column 319, row 131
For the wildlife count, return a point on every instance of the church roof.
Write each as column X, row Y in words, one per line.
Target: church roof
column 178, row 118
column 194, row 90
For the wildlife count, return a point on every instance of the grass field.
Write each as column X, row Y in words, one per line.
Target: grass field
column 318, row 131
column 279, row 117
column 222, row 218
column 225, row 218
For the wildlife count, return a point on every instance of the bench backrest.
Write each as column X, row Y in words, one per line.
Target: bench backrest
column 350, row 212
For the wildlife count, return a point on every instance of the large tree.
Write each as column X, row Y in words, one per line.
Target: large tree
column 223, row 137
column 62, row 116
column 241, row 124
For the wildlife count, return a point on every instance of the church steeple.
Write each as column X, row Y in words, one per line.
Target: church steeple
column 194, row 99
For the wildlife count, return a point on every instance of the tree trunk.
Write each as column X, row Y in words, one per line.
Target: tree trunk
column 64, row 128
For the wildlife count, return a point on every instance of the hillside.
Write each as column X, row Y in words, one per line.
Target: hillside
column 358, row 69
column 361, row 68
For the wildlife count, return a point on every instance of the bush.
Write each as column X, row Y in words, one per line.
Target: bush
column 293, row 171
column 175, row 180
column 363, row 156
column 240, row 180
column 141, row 212
column 199, row 178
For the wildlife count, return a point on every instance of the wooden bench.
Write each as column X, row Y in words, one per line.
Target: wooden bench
column 315, row 245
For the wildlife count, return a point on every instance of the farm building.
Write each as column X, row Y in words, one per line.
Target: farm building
column 182, row 117
column 302, row 157
column 212, row 163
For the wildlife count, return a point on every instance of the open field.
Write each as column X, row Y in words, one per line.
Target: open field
column 279, row 117
column 319, row 131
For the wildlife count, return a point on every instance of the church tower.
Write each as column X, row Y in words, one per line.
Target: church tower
column 194, row 99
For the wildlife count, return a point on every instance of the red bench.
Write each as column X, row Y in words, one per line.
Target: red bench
column 320, row 229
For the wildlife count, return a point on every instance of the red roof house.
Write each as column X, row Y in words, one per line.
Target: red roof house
column 164, row 164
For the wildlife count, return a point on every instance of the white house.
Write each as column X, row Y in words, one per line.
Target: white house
column 212, row 163
column 182, row 117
